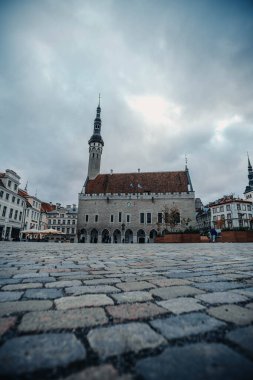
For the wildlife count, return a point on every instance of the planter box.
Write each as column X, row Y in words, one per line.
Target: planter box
column 204, row 239
column 237, row 236
column 178, row 238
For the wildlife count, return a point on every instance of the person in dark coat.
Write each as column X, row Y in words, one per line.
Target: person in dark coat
column 213, row 234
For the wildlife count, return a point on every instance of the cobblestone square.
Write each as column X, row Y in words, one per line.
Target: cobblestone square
column 126, row 312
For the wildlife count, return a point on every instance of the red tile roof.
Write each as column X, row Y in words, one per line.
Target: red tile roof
column 22, row 193
column 154, row 182
column 47, row 207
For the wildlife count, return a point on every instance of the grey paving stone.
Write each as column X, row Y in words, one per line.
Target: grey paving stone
column 30, row 275
column 135, row 311
column 115, row 340
column 242, row 336
column 196, row 362
column 207, row 278
column 85, row 289
column 175, row 291
column 232, row 313
column 102, row 372
column 137, row 296
column 37, row 352
column 6, row 281
column 38, row 279
column 136, row 285
column 186, row 325
column 221, row 297
column 181, row 305
column 10, row 296
column 169, row 281
column 248, row 292
column 101, row 281
column 219, row 286
column 63, row 284
column 44, row 294
column 21, row 306
column 57, row 319
column 82, row 301
column 22, row 286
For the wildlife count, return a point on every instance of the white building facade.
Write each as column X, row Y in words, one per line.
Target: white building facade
column 32, row 213
column 128, row 207
column 12, row 206
column 231, row 212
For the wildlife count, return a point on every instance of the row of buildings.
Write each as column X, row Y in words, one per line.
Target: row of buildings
column 121, row 207
column 21, row 212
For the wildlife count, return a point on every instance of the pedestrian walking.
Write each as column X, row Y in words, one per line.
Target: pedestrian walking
column 213, row 234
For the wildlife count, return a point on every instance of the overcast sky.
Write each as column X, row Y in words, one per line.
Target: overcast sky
column 176, row 78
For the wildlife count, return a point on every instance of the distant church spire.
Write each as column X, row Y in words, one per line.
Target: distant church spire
column 96, row 144
column 249, row 187
column 249, row 164
column 190, row 188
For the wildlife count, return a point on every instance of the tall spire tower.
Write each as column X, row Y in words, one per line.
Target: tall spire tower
column 96, row 144
column 249, row 189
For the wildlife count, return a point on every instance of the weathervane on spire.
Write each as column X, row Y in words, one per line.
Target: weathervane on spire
column 99, row 97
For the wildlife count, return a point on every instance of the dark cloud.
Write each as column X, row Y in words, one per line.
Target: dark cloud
column 175, row 77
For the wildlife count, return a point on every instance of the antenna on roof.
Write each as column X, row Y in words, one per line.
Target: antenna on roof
column 186, row 162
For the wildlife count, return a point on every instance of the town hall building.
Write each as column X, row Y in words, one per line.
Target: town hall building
column 129, row 207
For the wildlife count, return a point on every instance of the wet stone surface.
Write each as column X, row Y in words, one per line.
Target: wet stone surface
column 126, row 312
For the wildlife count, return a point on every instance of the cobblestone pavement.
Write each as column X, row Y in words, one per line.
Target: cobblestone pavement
column 125, row 312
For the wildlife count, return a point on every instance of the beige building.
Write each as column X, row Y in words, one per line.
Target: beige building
column 129, row 207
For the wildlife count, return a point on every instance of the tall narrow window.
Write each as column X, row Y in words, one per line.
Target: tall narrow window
column 128, row 218
column 112, row 218
column 86, row 219
column 160, row 217
column 142, row 217
column 96, row 219
column 148, row 217
column 120, row 217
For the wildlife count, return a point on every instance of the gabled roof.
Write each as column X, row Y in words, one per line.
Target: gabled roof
column 47, row 207
column 153, row 182
column 23, row 193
